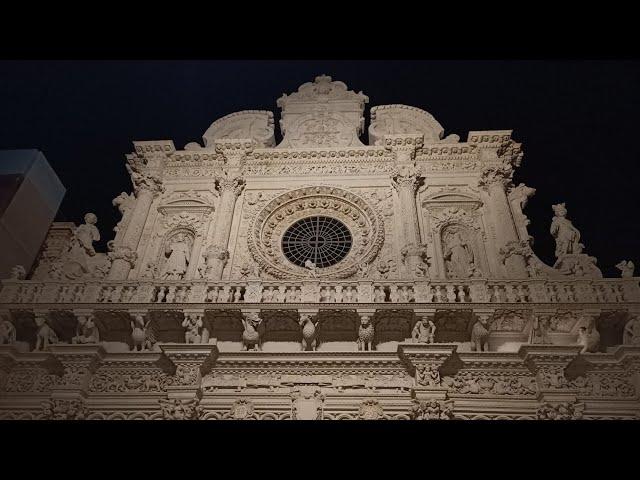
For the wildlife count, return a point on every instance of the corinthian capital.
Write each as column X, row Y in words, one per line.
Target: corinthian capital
column 407, row 176
column 500, row 175
column 229, row 182
column 404, row 146
column 510, row 152
column 142, row 178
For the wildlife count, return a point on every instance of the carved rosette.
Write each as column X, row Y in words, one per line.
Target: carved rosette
column 265, row 236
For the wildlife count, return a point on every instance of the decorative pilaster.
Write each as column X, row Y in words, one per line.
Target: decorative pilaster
column 68, row 394
column 425, row 360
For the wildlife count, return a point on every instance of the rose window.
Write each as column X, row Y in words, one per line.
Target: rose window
column 324, row 241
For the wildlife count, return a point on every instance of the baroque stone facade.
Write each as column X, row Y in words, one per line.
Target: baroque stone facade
column 320, row 277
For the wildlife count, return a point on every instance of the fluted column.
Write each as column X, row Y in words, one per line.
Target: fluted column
column 217, row 254
column 495, row 182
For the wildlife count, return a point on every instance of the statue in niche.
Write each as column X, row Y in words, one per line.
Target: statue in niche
column 123, row 202
column 458, row 255
column 7, row 332
column 567, row 236
column 631, row 334
column 424, row 331
column 626, row 268
column 177, row 251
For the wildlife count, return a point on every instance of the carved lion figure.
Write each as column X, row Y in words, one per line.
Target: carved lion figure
column 365, row 333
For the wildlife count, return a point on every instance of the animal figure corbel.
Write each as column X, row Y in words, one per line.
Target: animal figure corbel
column 366, row 333
column 309, row 332
column 480, row 335
column 140, row 334
column 252, row 334
column 46, row 335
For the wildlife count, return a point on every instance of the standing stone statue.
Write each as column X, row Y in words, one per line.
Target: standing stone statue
column 87, row 233
column 178, row 251
column 567, row 236
column 631, row 334
column 458, row 256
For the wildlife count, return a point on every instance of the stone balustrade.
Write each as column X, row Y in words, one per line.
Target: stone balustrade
column 600, row 291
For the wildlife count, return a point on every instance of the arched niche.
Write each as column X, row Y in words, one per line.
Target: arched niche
column 445, row 212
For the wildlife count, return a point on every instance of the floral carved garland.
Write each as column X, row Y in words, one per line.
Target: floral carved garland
column 265, row 235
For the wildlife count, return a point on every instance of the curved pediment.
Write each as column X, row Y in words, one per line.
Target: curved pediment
column 403, row 119
column 254, row 124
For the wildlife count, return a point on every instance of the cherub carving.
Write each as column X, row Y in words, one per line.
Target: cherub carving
column 424, row 331
column 567, row 236
column 626, row 268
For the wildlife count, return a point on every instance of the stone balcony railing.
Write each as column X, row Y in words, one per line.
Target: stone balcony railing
column 528, row 291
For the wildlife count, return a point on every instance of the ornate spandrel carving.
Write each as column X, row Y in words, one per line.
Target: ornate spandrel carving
column 370, row 410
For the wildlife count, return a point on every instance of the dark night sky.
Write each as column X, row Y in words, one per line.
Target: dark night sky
column 576, row 120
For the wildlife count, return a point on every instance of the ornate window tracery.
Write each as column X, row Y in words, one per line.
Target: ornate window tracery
column 324, row 241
